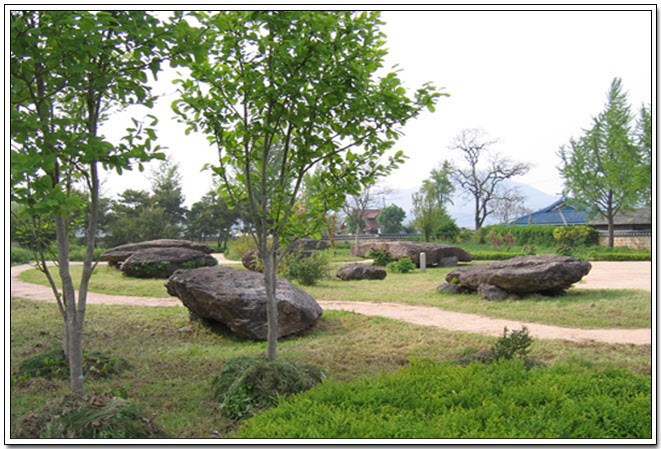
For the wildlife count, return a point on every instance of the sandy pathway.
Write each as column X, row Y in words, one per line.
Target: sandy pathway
column 621, row 275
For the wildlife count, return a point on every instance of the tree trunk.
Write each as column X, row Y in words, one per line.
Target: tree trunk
column 72, row 327
column 270, row 268
column 478, row 223
column 611, row 233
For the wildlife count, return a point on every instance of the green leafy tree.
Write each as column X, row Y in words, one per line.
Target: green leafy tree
column 282, row 93
column 168, row 196
column 601, row 169
column 212, row 217
column 443, row 186
column 483, row 182
column 135, row 217
column 390, row 219
column 313, row 191
column 68, row 69
column 427, row 213
column 644, row 142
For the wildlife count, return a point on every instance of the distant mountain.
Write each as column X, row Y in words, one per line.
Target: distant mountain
column 463, row 209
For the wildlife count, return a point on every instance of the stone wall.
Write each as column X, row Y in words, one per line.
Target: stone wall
column 630, row 240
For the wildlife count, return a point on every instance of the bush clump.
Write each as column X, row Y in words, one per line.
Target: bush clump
column 403, row 265
column 97, row 417
column 247, row 385
column 382, row 257
column 19, row 256
column 52, row 364
column 306, row 267
column 513, row 345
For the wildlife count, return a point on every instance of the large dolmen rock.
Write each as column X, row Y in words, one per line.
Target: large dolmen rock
column 237, row 299
column 437, row 253
column 359, row 271
column 546, row 274
column 120, row 253
column 163, row 262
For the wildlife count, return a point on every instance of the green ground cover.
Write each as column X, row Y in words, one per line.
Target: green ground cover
column 172, row 360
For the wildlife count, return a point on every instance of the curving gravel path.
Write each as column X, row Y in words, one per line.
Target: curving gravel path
column 621, row 275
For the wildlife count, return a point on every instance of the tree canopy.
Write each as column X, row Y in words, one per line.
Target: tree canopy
column 68, row 70
column 608, row 168
column 284, row 92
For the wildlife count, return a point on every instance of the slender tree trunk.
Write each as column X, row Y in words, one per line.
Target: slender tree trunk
column 478, row 223
column 330, row 221
column 611, row 233
column 72, row 326
column 270, row 268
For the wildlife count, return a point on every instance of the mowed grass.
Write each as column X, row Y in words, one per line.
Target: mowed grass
column 578, row 308
column 173, row 360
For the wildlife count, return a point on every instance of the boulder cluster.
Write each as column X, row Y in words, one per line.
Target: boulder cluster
column 159, row 258
column 437, row 254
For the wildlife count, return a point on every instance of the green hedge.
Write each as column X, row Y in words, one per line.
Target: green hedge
column 433, row 400
column 493, row 255
column 524, row 235
column 19, row 256
column 620, row 256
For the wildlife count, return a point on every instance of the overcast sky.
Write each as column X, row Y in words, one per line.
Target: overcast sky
column 532, row 79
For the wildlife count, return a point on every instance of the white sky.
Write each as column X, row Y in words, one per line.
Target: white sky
column 532, row 79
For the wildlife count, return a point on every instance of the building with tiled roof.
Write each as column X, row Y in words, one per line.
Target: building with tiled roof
column 560, row 213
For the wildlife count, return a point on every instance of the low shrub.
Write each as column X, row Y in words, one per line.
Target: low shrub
column 237, row 247
column 197, row 264
column 510, row 346
column 77, row 253
column 145, row 269
column 19, row 256
column 52, row 364
column 403, row 265
column 541, row 235
column 493, row 255
column 308, row 268
column 246, row 385
column 578, row 235
column 620, row 256
column 382, row 257
column 429, row 399
column 97, row 417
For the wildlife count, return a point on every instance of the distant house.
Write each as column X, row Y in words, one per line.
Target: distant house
column 560, row 213
column 639, row 219
column 371, row 226
column 631, row 228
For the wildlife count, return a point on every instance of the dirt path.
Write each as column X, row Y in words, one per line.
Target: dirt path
column 621, row 275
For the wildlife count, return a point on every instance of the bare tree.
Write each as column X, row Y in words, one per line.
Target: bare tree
column 509, row 205
column 482, row 182
column 356, row 205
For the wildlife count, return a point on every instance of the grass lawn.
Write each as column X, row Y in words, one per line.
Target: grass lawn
column 173, row 360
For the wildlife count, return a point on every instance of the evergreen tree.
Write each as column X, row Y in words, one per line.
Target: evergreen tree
column 602, row 168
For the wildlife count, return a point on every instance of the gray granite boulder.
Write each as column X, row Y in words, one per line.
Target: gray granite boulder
column 359, row 271
column 162, row 262
column 120, row 253
column 237, row 299
column 546, row 274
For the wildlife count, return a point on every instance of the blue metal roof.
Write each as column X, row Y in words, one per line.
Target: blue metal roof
column 560, row 213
